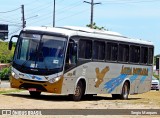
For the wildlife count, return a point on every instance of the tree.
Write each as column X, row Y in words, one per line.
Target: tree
column 96, row 27
column 5, row 54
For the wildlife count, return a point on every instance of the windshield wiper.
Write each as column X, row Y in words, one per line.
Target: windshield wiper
column 46, row 67
column 24, row 63
column 40, row 54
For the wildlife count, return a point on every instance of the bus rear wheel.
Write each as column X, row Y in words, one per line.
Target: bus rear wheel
column 124, row 94
column 79, row 92
column 125, row 91
column 35, row 93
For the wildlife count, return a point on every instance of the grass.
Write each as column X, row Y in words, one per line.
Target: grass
column 149, row 98
column 8, row 90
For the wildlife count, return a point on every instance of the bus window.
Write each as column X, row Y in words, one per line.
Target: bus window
column 134, row 54
column 85, row 49
column 150, row 59
column 112, row 51
column 23, row 52
column 144, row 55
column 71, row 57
column 99, row 50
column 123, row 53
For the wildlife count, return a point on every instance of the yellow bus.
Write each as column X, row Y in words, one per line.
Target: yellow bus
column 79, row 61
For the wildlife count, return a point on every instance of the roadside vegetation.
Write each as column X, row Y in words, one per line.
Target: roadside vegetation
column 4, row 73
column 5, row 54
column 10, row 90
column 5, row 58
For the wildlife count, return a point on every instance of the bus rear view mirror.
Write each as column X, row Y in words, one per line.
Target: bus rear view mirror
column 10, row 42
column 10, row 45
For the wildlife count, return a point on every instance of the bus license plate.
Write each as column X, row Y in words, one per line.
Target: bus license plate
column 32, row 89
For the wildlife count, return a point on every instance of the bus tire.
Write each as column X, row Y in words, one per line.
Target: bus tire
column 125, row 91
column 79, row 92
column 35, row 93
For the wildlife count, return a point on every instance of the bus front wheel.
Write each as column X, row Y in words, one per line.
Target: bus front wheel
column 78, row 92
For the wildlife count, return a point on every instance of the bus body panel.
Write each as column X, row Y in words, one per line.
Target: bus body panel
column 27, row 81
column 113, row 79
column 111, row 82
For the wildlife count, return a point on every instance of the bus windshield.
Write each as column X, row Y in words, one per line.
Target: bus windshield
column 40, row 52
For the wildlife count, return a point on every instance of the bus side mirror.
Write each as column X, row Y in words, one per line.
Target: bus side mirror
column 10, row 42
column 10, row 45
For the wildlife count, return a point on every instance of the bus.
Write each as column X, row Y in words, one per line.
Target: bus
column 79, row 61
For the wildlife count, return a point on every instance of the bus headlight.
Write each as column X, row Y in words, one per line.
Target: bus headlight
column 54, row 80
column 15, row 75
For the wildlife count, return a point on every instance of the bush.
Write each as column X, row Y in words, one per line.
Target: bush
column 4, row 74
column 5, row 54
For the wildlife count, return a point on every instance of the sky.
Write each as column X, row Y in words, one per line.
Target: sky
column 138, row 19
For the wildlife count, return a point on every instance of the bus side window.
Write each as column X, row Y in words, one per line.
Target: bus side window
column 134, row 54
column 85, row 49
column 151, row 54
column 99, row 50
column 112, row 51
column 144, row 55
column 123, row 53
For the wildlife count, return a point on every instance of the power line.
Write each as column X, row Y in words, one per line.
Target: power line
column 15, row 31
column 39, row 8
column 72, row 5
column 55, row 13
column 68, row 8
column 127, row 1
column 10, row 10
column 29, row 3
column 15, row 25
column 72, row 15
column 59, row 1
column 8, row 21
column 59, row 11
column 60, row 19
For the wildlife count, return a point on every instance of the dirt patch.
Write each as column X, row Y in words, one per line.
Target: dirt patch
column 6, row 89
column 22, row 100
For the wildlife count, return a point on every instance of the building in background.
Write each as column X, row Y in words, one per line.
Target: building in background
column 3, row 32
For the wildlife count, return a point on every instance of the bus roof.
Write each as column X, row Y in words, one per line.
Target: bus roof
column 87, row 32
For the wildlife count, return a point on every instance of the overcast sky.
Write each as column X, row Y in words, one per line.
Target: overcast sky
column 132, row 18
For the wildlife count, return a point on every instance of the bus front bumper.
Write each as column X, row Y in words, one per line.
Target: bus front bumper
column 37, row 85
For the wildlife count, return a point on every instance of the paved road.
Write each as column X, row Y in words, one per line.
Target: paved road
column 5, row 84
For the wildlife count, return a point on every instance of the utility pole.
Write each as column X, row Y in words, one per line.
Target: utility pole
column 54, row 7
column 23, row 18
column 92, row 8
